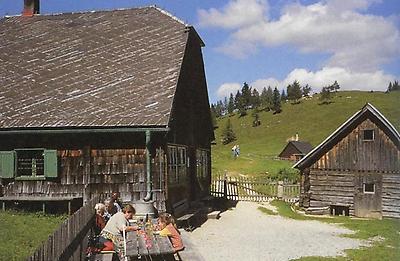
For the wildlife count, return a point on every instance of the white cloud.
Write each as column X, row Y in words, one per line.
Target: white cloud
column 227, row 88
column 356, row 41
column 348, row 80
column 235, row 14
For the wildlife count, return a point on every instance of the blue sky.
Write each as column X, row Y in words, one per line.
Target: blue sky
column 273, row 43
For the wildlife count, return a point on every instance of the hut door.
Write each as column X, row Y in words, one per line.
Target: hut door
column 368, row 196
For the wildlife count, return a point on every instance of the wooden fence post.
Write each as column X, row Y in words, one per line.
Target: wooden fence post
column 280, row 189
column 225, row 186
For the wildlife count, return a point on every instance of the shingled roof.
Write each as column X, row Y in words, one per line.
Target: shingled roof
column 95, row 69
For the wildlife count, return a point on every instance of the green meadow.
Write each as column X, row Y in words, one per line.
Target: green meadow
column 260, row 145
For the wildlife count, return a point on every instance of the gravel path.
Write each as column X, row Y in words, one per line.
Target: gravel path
column 245, row 233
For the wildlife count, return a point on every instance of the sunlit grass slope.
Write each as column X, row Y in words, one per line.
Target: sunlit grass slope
column 312, row 121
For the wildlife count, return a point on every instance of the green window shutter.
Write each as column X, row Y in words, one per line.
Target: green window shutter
column 50, row 163
column 7, row 164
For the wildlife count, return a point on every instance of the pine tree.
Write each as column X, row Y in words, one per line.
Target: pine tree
column 294, row 92
column 306, row 90
column 246, row 95
column 283, row 96
column 276, row 100
column 238, row 98
column 227, row 134
column 335, row 86
column 326, row 95
column 270, row 97
column 231, row 104
column 255, row 99
column 264, row 98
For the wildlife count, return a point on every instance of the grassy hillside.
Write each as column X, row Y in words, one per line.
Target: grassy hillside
column 313, row 122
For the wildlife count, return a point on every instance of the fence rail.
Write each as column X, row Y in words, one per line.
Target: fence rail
column 254, row 189
column 66, row 242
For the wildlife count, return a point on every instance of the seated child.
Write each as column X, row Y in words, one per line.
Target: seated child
column 166, row 224
column 100, row 221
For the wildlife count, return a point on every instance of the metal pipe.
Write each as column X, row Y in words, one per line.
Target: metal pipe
column 148, row 166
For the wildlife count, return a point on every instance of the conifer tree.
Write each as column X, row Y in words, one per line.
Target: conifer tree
column 231, row 104
column 306, row 90
column 255, row 99
column 276, row 101
column 246, row 95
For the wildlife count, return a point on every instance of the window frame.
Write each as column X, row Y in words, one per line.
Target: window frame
column 50, row 164
column 369, row 192
column 373, row 135
column 177, row 163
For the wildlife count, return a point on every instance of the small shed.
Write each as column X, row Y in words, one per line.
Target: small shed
column 295, row 150
column 103, row 101
column 356, row 170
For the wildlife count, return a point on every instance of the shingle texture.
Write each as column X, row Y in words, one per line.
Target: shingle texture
column 96, row 69
column 303, row 146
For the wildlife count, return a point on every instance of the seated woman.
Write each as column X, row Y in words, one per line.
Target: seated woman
column 166, row 224
column 100, row 221
column 114, row 228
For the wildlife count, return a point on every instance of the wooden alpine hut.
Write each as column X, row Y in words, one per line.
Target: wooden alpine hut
column 103, row 101
column 295, row 150
column 356, row 170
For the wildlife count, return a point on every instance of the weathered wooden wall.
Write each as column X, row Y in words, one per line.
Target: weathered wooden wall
column 332, row 179
column 88, row 172
column 191, row 120
column 353, row 153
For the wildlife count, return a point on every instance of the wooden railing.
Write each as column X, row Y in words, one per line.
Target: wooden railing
column 254, row 189
column 69, row 241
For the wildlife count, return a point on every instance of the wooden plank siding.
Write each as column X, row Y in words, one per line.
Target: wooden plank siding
column 353, row 153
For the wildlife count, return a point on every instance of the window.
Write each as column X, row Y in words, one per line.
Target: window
column 369, row 188
column 28, row 164
column 176, row 164
column 202, row 163
column 368, row 135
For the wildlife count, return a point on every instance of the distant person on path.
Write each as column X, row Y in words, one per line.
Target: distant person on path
column 234, row 151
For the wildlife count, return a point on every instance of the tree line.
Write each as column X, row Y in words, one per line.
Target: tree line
column 269, row 100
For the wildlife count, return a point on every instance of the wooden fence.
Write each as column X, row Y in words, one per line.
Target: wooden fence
column 70, row 240
column 254, row 189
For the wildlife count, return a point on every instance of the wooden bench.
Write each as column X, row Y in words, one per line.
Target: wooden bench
column 187, row 221
column 103, row 256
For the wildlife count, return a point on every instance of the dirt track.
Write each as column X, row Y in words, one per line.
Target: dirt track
column 245, row 233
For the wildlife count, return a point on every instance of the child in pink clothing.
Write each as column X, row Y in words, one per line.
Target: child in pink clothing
column 166, row 224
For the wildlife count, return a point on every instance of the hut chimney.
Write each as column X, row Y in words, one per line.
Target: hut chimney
column 31, row 7
column 297, row 137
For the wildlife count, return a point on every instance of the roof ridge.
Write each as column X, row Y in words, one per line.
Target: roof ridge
column 105, row 10
column 169, row 14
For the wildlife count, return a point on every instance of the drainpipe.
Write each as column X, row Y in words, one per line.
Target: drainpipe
column 148, row 167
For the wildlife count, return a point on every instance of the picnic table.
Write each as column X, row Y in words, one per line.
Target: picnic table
column 148, row 246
